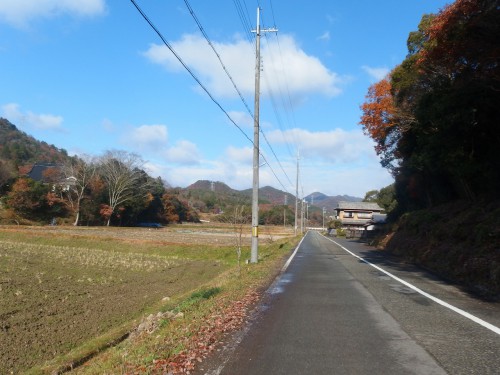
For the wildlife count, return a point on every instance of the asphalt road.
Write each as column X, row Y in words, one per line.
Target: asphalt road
column 331, row 312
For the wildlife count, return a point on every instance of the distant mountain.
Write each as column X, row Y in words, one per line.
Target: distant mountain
column 315, row 197
column 270, row 195
column 22, row 149
column 267, row 194
column 329, row 202
column 215, row 186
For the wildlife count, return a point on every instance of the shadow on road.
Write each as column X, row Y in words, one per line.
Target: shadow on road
column 383, row 258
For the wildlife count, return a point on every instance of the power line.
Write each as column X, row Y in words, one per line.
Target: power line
column 217, row 54
column 146, row 18
column 187, row 68
column 244, row 18
column 289, row 112
column 287, row 105
column 193, row 14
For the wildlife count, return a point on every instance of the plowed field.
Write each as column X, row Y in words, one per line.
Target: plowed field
column 62, row 286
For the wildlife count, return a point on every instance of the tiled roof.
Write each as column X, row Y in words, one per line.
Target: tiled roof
column 37, row 170
column 362, row 206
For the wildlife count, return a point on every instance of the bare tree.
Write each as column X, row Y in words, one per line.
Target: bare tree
column 239, row 217
column 78, row 174
column 123, row 174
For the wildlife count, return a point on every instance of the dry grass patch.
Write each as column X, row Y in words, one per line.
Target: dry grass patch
column 67, row 293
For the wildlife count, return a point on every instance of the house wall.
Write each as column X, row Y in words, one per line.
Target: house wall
column 355, row 215
column 355, row 220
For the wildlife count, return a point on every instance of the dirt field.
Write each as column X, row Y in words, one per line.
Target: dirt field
column 62, row 286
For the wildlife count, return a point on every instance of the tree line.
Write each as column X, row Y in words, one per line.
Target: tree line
column 112, row 189
column 435, row 117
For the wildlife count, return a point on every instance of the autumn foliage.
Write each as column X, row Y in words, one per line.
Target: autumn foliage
column 464, row 38
column 435, row 118
column 378, row 113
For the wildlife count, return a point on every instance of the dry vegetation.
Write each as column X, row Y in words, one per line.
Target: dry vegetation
column 67, row 292
column 458, row 241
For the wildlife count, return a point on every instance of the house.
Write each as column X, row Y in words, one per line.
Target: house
column 51, row 173
column 354, row 215
column 376, row 222
column 40, row 172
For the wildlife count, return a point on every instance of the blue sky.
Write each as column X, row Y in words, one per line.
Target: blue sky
column 91, row 75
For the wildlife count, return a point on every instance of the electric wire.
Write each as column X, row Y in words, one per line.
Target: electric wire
column 273, row 102
column 217, row 54
column 289, row 112
column 187, row 68
column 288, row 109
column 244, row 19
column 198, row 23
column 286, row 104
column 146, row 18
column 286, row 134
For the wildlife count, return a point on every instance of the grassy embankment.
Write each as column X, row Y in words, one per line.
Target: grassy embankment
column 69, row 295
column 459, row 241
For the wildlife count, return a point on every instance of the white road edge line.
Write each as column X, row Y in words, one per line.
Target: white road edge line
column 475, row 319
column 292, row 256
column 219, row 369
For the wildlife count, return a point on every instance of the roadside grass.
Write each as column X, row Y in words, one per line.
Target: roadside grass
column 97, row 289
column 160, row 350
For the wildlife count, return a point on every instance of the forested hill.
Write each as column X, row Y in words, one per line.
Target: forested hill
column 21, row 149
column 434, row 119
column 329, row 202
column 267, row 195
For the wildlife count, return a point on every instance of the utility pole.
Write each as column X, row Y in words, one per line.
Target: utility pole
column 284, row 211
column 302, row 216
column 254, row 256
column 324, row 218
column 297, row 195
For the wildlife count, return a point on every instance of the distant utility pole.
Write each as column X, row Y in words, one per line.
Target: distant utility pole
column 254, row 256
column 284, row 211
column 302, row 216
column 297, row 195
column 324, row 209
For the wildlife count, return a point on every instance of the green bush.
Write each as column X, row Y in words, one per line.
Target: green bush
column 197, row 297
column 340, row 232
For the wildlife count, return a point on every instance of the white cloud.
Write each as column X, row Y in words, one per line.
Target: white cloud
column 154, row 169
column 353, row 170
column 376, row 74
column 346, row 179
column 325, row 36
column 331, row 20
column 242, row 119
column 304, row 74
column 147, row 137
column 335, row 146
column 240, row 155
column 184, row 152
column 324, row 177
column 20, row 12
column 28, row 119
column 152, row 141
